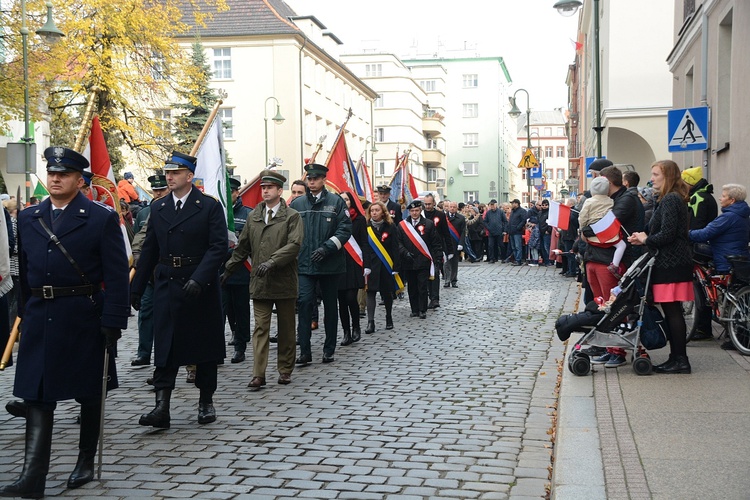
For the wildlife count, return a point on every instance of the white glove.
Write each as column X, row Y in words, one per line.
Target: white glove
column 367, row 271
column 460, row 247
column 450, row 256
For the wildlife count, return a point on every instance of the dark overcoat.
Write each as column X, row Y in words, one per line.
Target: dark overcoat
column 61, row 351
column 380, row 279
column 193, row 329
column 353, row 278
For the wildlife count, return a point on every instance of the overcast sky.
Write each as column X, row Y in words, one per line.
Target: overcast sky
column 532, row 38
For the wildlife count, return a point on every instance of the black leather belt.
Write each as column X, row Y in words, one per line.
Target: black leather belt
column 180, row 261
column 51, row 292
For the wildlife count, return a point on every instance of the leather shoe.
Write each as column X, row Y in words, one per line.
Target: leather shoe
column 206, row 413
column 314, row 325
column 256, row 383
column 17, row 408
column 238, row 357
column 274, row 339
column 150, row 381
column 370, row 327
column 678, row 364
column 702, row 335
column 141, row 361
column 328, row 358
column 434, row 304
column 422, row 315
column 304, row 360
column 285, row 379
column 454, row 285
column 447, row 284
column 413, row 315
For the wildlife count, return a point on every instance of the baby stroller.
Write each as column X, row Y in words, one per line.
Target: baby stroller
column 622, row 322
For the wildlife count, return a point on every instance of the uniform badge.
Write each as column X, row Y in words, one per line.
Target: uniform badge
column 420, row 228
column 436, row 219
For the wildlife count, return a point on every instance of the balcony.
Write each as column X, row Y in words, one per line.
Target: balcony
column 432, row 125
column 433, row 158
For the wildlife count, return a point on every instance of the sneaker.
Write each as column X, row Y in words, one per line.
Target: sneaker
column 615, row 270
column 600, row 360
column 615, row 360
column 593, row 351
column 531, row 264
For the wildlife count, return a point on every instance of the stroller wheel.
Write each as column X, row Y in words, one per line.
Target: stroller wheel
column 580, row 365
column 642, row 365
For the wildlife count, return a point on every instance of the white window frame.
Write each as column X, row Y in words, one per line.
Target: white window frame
column 560, row 151
column 471, row 196
column 549, row 151
column 471, row 168
column 380, row 168
column 380, row 134
column 373, row 70
column 163, row 116
column 471, row 110
column 470, row 81
column 227, row 122
column 432, row 174
column 378, row 103
column 427, row 85
column 471, row 140
column 222, row 63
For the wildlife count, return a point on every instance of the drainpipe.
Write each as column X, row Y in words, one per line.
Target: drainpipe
column 704, row 90
column 301, row 161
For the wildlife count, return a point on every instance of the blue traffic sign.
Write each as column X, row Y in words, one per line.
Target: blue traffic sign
column 687, row 129
column 589, row 161
column 535, row 173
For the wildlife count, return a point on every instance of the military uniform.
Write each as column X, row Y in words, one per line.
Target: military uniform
column 184, row 250
column 438, row 219
column 393, row 208
column 70, row 311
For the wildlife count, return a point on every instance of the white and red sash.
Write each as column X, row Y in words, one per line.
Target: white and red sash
column 418, row 242
column 354, row 251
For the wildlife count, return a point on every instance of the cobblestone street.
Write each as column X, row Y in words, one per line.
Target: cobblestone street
column 455, row 406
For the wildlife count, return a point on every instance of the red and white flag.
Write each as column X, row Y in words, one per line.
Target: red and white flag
column 607, row 227
column 559, row 215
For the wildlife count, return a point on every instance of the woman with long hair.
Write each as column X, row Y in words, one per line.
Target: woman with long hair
column 353, row 279
column 672, row 274
column 382, row 261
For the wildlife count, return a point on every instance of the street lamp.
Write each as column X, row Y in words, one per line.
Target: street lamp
column 49, row 34
column 373, row 150
column 278, row 119
column 567, row 8
column 515, row 113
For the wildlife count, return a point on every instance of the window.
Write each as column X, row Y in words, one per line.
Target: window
column 380, row 168
column 548, row 174
column 471, row 196
column 223, row 63
column 471, row 140
column 548, row 151
column 471, row 110
column 471, row 168
column 379, row 101
column 547, row 131
column 373, row 70
column 561, row 131
column 380, row 134
column 226, row 121
column 470, row 81
column 560, row 174
column 432, row 174
column 560, row 151
column 163, row 119
column 157, row 66
column 285, row 173
column 427, row 85
column 431, row 144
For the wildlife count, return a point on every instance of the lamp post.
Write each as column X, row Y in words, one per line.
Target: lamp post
column 539, row 152
column 278, row 119
column 567, row 8
column 373, row 150
column 50, row 34
column 515, row 113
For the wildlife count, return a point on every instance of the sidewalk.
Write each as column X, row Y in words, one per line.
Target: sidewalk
column 624, row 436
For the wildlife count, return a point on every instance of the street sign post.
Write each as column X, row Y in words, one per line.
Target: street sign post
column 528, row 160
column 687, row 129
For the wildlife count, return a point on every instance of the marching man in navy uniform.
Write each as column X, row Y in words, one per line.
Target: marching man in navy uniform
column 186, row 243
column 74, row 303
column 384, row 192
column 421, row 250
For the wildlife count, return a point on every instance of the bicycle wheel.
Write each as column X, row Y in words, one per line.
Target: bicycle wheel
column 739, row 321
column 689, row 310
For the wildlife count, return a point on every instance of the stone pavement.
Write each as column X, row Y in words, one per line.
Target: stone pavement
column 460, row 405
column 624, row 436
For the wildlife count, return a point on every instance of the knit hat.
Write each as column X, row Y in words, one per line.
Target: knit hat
column 600, row 185
column 692, row 175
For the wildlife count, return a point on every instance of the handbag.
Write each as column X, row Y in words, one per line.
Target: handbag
column 654, row 330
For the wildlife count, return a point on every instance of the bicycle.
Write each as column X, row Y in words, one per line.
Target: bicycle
column 728, row 297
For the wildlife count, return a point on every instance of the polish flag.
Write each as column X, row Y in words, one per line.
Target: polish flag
column 559, row 215
column 607, row 227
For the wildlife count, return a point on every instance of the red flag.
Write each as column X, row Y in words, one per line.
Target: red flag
column 251, row 194
column 559, row 215
column 607, row 227
column 340, row 176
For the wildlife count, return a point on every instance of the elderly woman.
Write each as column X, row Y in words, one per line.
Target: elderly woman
column 728, row 234
column 672, row 274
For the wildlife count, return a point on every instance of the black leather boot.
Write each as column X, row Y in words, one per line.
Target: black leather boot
column 370, row 327
column 679, row 364
column 347, row 337
column 89, row 437
column 388, row 318
column 206, row 410
column 159, row 416
column 36, row 459
column 356, row 334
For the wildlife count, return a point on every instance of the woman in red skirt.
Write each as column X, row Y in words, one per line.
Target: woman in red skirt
column 672, row 274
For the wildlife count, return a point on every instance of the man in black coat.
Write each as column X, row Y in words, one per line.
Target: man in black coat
column 457, row 227
column 516, row 226
column 438, row 220
column 420, row 248
column 384, row 192
column 627, row 208
column 186, row 242
column 74, row 303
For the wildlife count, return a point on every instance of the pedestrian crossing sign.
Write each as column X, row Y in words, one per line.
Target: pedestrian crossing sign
column 528, row 160
column 687, row 129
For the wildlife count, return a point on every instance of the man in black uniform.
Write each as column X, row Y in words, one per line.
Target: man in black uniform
column 457, row 229
column 420, row 249
column 384, row 192
column 186, row 242
column 438, row 219
column 74, row 302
